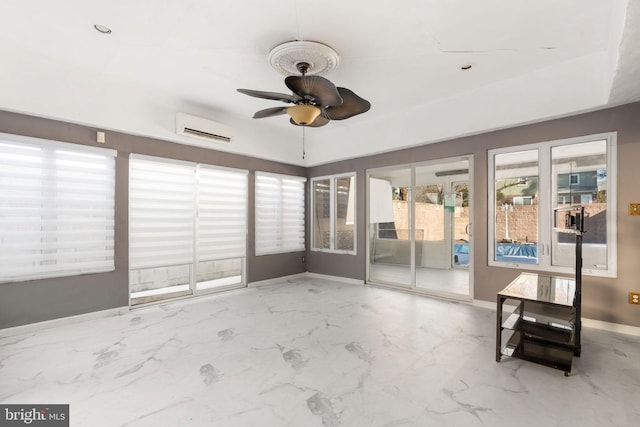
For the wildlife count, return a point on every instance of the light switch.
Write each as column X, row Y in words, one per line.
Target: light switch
column 100, row 137
column 634, row 208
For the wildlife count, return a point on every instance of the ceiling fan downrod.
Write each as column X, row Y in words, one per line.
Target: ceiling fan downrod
column 303, row 67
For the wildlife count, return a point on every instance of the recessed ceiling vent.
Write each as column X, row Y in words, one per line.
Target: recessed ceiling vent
column 187, row 124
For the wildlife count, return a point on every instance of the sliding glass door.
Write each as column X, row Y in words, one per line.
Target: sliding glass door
column 419, row 227
column 187, row 228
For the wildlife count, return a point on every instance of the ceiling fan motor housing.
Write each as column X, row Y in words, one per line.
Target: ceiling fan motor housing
column 303, row 67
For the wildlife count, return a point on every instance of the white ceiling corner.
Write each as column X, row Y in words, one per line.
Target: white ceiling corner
column 626, row 87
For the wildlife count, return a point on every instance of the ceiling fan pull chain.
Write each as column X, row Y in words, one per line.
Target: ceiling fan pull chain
column 304, row 150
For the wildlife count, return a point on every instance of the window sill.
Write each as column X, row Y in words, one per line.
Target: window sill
column 334, row 251
column 611, row 274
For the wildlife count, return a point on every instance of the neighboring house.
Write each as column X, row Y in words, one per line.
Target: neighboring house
column 580, row 187
column 518, row 191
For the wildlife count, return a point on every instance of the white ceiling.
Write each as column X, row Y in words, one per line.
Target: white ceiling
column 532, row 60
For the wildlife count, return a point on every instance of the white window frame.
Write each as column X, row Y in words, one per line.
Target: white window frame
column 332, row 212
column 545, row 205
column 277, row 243
column 56, row 252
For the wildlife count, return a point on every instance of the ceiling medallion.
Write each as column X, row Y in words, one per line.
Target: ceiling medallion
column 321, row 58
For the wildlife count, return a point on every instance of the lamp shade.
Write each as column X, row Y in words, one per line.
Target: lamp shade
column 303, row 114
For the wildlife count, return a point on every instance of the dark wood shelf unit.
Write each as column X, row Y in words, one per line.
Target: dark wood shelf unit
column 542, row 328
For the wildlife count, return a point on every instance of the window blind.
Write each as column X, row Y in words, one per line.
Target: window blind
column 56, row 209
column 280, row 213
column 178, row 207
column 161, row 212
column 222, row 213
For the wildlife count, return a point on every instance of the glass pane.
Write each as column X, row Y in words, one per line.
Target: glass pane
column 219, row 273
column 516, row 198
column 344, row 216
column 389, row 239
column 158, row 283
column 436, row 207
column 579, row 174
column 461, row 224
column 429, row 212
column 322, row 214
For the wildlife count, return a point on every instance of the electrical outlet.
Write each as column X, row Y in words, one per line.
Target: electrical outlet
column 634, row 298
column 302, row 259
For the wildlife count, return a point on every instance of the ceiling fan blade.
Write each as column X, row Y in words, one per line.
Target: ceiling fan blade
column 352, row 105
column 270, row 95
column 314, row 88
column 270, row 112
column 319, row 121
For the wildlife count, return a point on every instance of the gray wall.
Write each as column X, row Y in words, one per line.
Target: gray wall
column 603, row 298
column 38, row 300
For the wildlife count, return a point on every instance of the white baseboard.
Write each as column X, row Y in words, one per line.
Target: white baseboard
column 306, row 275
column 611, row 327
column 587, row 323
column 484, row 304
column 277, row 280
column 35, row 327
column 335, row 278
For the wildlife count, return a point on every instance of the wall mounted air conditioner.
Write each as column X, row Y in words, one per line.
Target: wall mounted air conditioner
column 187, row 124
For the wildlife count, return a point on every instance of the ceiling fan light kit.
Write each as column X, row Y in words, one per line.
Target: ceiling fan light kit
column 317, row 100
column 303, row 114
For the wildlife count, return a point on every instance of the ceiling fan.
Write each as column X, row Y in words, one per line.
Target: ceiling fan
column 316, row 101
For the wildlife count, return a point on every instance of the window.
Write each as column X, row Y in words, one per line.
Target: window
column 280, row 211
column 578, row 171
column 56, row 210
column 575, row 179
column 187, row 227
column 522, row 200
column 332, row 212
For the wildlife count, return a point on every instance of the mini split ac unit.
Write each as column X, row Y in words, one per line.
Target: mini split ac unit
column 187, row 124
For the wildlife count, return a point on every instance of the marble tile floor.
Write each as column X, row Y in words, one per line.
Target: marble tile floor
column 313, row 352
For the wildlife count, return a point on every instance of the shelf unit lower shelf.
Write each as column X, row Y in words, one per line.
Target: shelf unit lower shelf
column 543, row 352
